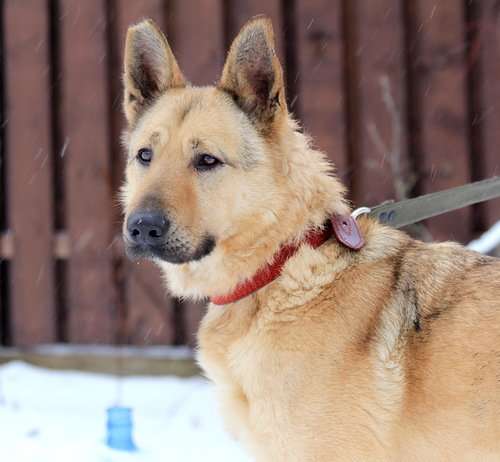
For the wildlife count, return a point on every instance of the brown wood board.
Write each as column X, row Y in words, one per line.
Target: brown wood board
column 92, row 294
column 29, row 171
column 441, row 97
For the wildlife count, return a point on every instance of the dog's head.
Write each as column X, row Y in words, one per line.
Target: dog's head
column 217, row 177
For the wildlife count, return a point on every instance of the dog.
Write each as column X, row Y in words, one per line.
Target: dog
column 357, row 344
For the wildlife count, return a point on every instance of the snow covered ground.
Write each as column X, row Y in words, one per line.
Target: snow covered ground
column 488, row 242
column 52, row 416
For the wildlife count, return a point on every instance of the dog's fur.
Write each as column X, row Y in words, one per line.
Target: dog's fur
column 390, row 353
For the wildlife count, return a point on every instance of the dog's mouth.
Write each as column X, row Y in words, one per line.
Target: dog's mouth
column 173, row 251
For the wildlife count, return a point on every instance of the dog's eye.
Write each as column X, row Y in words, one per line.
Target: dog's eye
column 205, row 162
column 144, row 156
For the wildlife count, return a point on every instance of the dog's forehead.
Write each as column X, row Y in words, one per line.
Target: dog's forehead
column 201, row 113
column 202, row 105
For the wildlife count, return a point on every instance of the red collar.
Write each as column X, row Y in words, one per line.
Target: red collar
column 346, row 231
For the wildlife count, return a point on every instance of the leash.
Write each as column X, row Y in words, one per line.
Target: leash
column 409, row 211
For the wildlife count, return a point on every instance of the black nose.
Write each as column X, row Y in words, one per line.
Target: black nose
column 147, row 228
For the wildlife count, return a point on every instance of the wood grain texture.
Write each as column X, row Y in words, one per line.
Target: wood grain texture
column 198, row 39
column 381, row 167
column 487, row 51
column 441, row 96
column 149, row 308
column 29, row 178
column 92, row 295
column 4, row 330
column 320, row 78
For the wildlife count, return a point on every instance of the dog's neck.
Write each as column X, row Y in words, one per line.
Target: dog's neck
column 304, row 276
column 343, row 228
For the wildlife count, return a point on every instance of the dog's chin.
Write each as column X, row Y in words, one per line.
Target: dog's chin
column 170, row 254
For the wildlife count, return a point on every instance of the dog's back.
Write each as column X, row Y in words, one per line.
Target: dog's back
column 452, row 399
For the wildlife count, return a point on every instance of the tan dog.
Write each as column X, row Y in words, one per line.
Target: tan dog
column 389, row 353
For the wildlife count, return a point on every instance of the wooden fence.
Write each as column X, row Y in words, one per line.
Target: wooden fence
column 403, row 95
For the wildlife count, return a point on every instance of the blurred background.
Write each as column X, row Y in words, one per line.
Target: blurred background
column 403, row 96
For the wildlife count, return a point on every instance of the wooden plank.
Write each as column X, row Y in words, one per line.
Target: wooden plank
column 320, row 51
column 381, row 158
column 487, row 50
column 148, row 309
column 193, row 313
column 6, row 245
column 30, row 208
column 441, row 99
column 3, row 302
column 122, row 361
column 92, row 296
column 198, row 39
column 3, row 214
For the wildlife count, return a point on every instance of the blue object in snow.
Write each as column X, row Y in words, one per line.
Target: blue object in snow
column 119, row 429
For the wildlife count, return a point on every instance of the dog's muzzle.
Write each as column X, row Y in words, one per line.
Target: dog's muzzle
column 148, row 234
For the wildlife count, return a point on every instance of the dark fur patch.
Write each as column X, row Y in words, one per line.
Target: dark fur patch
column 143, row 74
column 406, row 285
column 439, row 307
column 436, row 314
column 184, row 112
column 416, row 323
column 152, row 203
column 398, row 269
column 485, row 261
column 252, row 76
column 254, row 58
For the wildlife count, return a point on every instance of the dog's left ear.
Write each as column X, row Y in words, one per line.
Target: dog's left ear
column 150, row 69
column 253, row 74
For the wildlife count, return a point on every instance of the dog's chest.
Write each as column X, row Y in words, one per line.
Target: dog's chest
column 271, row 383
column 249, row 379
column 236, row 351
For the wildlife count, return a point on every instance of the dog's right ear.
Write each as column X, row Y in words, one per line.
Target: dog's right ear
column 150, row 69
column 252, row 73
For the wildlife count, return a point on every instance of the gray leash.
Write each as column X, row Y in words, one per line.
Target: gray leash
column 409, row 211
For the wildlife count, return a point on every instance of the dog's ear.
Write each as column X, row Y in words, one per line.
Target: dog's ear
column 150, row 68
column 252, row 73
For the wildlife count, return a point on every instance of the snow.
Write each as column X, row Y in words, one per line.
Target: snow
column 488, row 242
column 52, row 416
